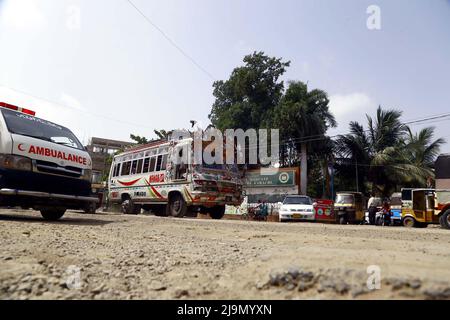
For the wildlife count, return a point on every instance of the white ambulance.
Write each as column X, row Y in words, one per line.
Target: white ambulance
column 43, row 165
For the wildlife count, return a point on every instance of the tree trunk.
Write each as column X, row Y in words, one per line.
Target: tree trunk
column 303, row 170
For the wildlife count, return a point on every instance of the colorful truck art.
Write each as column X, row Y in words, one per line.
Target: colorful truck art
column 146, row 177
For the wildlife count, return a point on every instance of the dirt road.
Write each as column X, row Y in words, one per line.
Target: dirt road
column 111, row 256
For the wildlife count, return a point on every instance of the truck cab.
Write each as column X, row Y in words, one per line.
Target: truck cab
column 43, row 165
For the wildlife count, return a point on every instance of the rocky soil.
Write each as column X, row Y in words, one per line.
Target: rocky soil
column 112, row 256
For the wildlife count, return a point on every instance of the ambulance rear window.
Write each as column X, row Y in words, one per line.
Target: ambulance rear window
column 26, row 125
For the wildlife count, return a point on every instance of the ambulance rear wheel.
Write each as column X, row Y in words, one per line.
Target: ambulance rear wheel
column 444, row 220
column 52, row 214
column 217, row 212
column 177, row 206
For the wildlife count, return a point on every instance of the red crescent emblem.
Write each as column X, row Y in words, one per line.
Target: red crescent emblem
column 20, row 147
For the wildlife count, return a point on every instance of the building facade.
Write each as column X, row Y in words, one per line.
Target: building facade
column 101, row 150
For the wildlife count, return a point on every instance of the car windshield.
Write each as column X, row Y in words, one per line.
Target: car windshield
column 26, row 125
column 344, row 198
column 297, row 200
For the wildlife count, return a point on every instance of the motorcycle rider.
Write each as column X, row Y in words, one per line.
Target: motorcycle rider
column 386, row 213
column 372, row 209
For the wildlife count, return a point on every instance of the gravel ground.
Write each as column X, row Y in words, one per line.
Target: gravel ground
column 112, row 256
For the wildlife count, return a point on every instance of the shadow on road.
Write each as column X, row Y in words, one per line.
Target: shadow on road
column 66, row 220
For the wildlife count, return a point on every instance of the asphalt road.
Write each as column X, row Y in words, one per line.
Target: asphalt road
column 113, row 256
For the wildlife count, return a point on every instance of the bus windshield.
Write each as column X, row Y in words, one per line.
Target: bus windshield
column 26, row 125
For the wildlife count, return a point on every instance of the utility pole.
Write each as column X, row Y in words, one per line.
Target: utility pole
column 357, row 182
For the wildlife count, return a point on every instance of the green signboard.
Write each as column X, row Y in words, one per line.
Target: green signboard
column 280, row 179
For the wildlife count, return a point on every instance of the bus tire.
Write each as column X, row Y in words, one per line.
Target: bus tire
column 177, row 206
column 52, row 214
column 444, row 220
column 128, row 206
column 409, row 222
column 217, row 212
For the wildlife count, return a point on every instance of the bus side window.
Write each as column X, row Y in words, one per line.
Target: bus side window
column 164, row 162
column 115, row 170
column 134, row 167
column 139, row 166
column 158, row 164
column 152, row 164
column 146, row 165
column 126, row 168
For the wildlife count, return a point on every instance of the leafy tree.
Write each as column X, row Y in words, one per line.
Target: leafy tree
column 247, row 99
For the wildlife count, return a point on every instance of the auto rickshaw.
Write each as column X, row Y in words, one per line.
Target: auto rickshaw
column 349, row 207
column 421, row 207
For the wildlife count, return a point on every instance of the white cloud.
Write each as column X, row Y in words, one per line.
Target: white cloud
column 351, row 107
column 22, row 14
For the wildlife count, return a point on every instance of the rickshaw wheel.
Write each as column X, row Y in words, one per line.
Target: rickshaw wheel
column 343, row 220
column 409, row 222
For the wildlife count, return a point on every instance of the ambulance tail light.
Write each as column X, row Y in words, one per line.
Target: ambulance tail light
column 16, row 108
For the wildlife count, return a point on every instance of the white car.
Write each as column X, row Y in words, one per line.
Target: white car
column 297, row 208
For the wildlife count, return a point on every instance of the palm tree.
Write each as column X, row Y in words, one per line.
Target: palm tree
column 162, row 134
column 421, row 151
column 388, row 154
column 303, row 115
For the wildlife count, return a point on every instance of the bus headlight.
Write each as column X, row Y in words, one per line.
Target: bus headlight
column 87, row 174
column 13, row 162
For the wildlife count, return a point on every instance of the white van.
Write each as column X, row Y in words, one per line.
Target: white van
column 42, row 165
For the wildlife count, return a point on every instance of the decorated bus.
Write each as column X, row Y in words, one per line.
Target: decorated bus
column 149, row 177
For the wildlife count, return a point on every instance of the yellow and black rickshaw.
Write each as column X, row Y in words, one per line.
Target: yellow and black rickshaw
column 349, row 207
column 421, row 207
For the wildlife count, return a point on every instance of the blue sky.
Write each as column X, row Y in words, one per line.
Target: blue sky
column 102, row 70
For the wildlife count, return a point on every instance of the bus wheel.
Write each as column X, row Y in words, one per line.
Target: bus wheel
column 444, row 220
column 409, row 222
column 217, row 212
column 52, row 214
column 177, row 206
column 128, row 207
